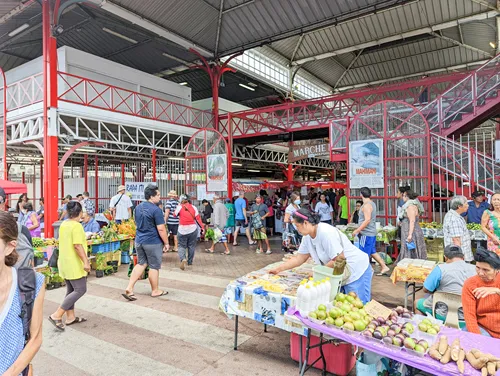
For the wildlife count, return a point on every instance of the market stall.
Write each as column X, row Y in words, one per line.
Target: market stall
column 413, row 273
column 106, row 250
column 407, row 354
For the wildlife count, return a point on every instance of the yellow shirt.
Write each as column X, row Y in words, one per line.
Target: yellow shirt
column 70, row 264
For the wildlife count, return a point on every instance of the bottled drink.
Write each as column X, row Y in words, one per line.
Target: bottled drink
column 305, row 301
column 300, row 292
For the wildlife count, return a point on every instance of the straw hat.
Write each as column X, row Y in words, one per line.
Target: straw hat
column 120, row 188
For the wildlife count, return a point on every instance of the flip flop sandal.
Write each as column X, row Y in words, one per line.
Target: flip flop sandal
column 162, row 294
column 235, row 245
column 253, row 243
column 77, row 320
column 57, row 323
column 385, row 274
column 129, row 297
column 225, row 253
column 209, row 251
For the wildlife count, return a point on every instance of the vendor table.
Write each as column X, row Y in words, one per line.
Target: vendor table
column 413, row 273
column 425, row 363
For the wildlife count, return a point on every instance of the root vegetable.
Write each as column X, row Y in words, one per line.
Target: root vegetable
column 460, row 361
column 455, row 349
column 478, row 354
column 492, row 368
column 443, row 344
column 447, row 356
column 484, row 371
column 477, row 363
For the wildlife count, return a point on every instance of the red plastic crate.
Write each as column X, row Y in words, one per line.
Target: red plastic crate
column 339, row 358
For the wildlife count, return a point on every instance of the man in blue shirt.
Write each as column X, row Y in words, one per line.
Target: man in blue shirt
column 240, row 207
column 476, row 207
column 150, row 242
column 89, row 223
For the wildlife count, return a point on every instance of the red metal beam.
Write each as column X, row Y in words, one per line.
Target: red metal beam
column 72, row 150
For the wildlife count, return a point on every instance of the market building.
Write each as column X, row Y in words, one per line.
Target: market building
column 221, row 99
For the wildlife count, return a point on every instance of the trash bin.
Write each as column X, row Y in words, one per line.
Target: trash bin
column 56, row 226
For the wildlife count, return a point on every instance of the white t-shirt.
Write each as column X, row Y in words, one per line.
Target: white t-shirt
column 122, row 207
column 328, row 244
column 324, row 210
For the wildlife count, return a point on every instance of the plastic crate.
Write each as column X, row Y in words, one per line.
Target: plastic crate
column 101, row 248
column 125, row 257
column 340, row 358
column 115, row 246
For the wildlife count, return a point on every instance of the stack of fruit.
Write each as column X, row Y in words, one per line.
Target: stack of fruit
column 433, row 225
column 474, row 226
column 347, row 313
column 395, row 334
column 427, row 326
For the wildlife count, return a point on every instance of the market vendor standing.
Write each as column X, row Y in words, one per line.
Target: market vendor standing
column 324, row 244
column 368, row 229
column 476, row 207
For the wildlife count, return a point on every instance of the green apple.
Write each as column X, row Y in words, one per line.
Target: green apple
column 348, row 325
column 321, row 307
column 340, row 297
column 359, row 325
column 313, row 315
column 321, row 315
column 330, row 321
column 423, row 327
column 339, row 322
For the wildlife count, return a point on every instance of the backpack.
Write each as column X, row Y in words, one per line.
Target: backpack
column 24, row 248
column 268, row 202
column 26, row 281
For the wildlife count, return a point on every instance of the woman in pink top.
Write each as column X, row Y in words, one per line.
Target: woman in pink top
column 30, row 220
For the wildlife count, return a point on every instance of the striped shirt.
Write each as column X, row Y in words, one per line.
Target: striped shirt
column 172, row 205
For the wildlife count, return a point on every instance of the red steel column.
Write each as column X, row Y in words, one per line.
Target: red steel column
column 41, row 178
column 86, row 173
column 229, row 157
column 51, row 156
column 123, row 173
column 153, row 167
column 96, row 182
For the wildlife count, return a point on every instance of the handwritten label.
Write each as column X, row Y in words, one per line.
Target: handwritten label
column 376, row 309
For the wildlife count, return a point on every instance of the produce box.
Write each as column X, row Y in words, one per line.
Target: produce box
column 117, row 256
column 435, row 249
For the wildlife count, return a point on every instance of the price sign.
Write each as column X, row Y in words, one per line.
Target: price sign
column 376, row 309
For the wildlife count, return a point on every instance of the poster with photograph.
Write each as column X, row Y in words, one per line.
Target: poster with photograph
column 217, row 173
column 366, row 163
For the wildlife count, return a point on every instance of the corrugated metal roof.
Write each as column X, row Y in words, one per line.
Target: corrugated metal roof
column 394, row 21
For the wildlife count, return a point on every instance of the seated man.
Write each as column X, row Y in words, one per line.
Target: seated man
column 447, row 277
column 89, row 223
column 481, row 295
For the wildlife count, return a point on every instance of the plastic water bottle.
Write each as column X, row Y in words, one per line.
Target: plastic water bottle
column 305, row 301
column 322, row 292
column 328, row 289
column 300, row 292
column 314, row 297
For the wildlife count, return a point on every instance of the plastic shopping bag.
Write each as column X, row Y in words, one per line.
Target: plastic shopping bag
column 217, row 235
column 371, row 364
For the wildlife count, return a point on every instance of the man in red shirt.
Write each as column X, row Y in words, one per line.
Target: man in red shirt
column 481, row 295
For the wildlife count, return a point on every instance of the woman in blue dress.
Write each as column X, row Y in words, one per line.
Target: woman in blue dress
column 15, row 355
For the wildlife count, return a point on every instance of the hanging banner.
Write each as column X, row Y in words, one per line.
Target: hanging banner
column 136, row 189
column 311, row 150
column 217, row 173
column 366, row 163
